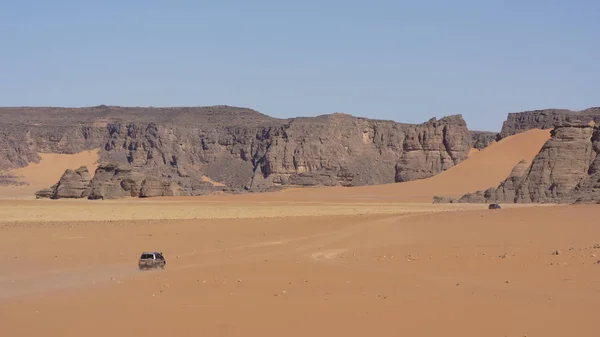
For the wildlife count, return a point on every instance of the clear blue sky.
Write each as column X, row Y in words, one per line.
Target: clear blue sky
column 401, row 60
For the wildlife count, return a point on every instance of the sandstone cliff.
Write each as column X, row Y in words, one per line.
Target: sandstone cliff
column 481, row 139
column 545, row 119
column 72, row 184
column 566, row 170
column 173, row 148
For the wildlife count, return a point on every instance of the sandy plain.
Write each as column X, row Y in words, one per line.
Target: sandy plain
column 368, row 261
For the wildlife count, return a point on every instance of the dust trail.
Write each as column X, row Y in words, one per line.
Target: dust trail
column 16, row 286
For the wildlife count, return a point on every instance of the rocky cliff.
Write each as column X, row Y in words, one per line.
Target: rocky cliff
column 481, row 139
column 545, row 119
column 173, row 149
column 566, row 170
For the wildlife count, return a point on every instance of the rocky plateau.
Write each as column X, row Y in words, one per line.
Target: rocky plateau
column 545, row 119
column 147, row 152
column 169, row 151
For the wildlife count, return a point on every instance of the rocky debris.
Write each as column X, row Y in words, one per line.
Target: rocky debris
column 72, row 184
column 566, row 170
column 545, row 119
column 556, row 252
column 494, row 206
column 444, row 200
column 479, row 197
column 45, row 193
column 240, row 148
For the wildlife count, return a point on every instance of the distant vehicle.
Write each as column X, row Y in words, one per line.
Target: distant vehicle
column 151, row 260
column 494, row 206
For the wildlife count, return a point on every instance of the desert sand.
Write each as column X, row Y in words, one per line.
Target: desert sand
column 47, row 172
column 365, row 261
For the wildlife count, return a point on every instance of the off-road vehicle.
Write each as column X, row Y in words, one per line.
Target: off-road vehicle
column 151, row 260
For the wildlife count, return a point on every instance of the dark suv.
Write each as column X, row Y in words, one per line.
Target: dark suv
column 150, row 260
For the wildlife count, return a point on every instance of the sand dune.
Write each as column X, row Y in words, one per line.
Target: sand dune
column 47, row 172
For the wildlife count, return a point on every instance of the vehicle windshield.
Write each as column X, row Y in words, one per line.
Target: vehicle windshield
column 147, row 256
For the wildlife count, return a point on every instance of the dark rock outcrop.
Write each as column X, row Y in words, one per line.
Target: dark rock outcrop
column 444, row 200
column 45, row 193
column 545, row 119
column 566, row 170
column 482, row 139
column 433, row 147
column 73, row 184
column 152, row 187
column 241, row 148
column 114, row 181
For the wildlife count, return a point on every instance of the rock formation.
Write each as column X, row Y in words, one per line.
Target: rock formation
column 73, row 184
column 241, row 148
column 45, row 193
column 113, row 181
column 109, row 182
column 567, row 169
column 433, row 147
column 481, row 139
column 148, row 152
column 545, row 119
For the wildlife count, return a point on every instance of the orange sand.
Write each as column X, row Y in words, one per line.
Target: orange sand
column 463, row 273
column 47, row 172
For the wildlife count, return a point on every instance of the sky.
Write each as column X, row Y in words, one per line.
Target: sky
column 398, row 60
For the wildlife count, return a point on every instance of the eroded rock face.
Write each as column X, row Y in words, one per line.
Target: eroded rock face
column 507, row 191
column 73, row 184
column 432, row 148
column 545, row 119
column 153, row 187
column 567, row 169
column 241, row 148
column 45, row 193
column 561, row 165
column 482, row 139
column 114, row 181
